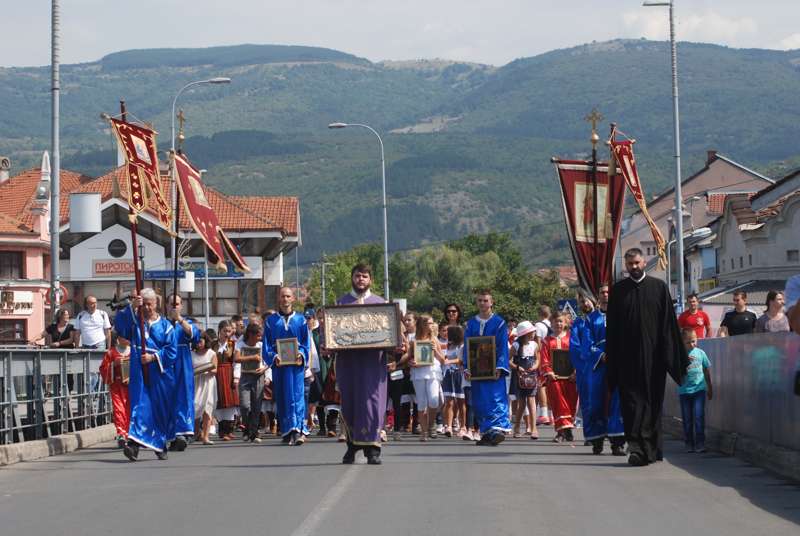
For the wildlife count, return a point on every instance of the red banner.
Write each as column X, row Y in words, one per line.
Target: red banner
column 202, row 217
column 593, row 227
column 139, row 144
column 626, row 164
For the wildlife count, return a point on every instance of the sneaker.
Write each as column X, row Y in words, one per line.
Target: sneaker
column 256, row 439
column 448, row 432
column 245, row 438
column 384, row 439
column 617, row 450
column 440, row 429
column 299, row 441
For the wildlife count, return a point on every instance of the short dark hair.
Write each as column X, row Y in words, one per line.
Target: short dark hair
column 740, row 293
column 458, row 311
column 692, row 295
column 362, row 268
column 633, row 252
column 205, row 336
column 236, row 318
column 455, row 335
column 485, row 291
column 252, row 328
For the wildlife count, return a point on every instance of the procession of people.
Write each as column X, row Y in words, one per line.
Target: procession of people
column 479, row 380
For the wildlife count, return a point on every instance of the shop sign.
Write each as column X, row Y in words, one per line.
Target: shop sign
column 111, row 267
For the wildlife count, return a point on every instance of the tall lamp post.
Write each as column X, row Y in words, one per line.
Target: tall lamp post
column 217, row 80
column 676, row 125
column 383, row 183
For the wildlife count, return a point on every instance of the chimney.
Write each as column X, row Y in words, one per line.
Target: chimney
column 711, row 155
column 5, row 168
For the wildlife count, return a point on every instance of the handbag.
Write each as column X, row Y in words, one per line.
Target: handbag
column 526, row 380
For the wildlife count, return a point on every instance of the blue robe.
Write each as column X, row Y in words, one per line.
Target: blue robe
column 184, row 380
column 288, row 381
column 490, row 397
column 600, row 409
column 152, row 405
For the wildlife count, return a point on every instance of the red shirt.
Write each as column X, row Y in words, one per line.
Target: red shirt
column 698, row 321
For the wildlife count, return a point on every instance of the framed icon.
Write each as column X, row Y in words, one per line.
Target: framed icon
column 250, row 365
column 287, row 350
column 122, row 370
column 481, row 357
column 423, row 353
column 562, row 365
column 362, row 327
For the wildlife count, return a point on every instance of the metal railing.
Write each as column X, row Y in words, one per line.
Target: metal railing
column 49, row 392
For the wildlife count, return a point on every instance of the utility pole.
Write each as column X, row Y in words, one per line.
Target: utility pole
column 55, row 151
column 323, row 279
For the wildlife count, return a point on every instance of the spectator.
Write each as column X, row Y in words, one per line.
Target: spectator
column 739, row 321
column 452, row 315
column 455, row 408
column 543, row 329
column 773, row 319
column 92, row 327
column 695, row 318
column 59, row 334
column 693, row 392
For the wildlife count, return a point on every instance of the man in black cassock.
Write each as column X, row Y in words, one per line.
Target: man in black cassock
column 643, row 344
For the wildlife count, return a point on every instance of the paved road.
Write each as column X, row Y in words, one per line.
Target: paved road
column 443, row 487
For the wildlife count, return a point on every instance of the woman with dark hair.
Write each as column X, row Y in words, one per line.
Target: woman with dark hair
column 205, row 383
column 773, row 319
column 453, row 315
column 59, row 334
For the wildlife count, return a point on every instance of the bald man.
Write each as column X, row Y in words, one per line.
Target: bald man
column 285, row 349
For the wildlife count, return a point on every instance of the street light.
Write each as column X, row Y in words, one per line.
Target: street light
column 217, row 80
column 383, row 183
column 700, row 232
column 676, row 125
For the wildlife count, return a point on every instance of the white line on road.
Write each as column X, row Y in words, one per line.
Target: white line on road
column 328, row 502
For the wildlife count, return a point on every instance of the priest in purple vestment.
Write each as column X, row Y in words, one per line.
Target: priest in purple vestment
column 361, row 378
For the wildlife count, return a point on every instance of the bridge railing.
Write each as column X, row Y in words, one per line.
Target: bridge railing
column 753, row 378
column 49, row 392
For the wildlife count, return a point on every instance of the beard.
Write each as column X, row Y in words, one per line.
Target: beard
column 636, row 273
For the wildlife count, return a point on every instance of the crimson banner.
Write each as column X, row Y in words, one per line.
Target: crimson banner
column 592, row 247
column 202, row 217
column 141, row 168
column 626, row 164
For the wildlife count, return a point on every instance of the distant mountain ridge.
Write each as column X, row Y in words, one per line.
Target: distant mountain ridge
column 468, row 146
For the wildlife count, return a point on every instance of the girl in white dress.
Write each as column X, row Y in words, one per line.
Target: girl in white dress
column 205, row 385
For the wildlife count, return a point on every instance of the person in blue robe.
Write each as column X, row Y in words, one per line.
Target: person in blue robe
column 288, row 371
column 186, row 334
column 152, row 392
column 489, row 396
column 599, row 405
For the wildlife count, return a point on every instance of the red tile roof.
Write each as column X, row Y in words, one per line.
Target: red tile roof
column 716, row 202
column 18, row 191
column 9, row 225
column 235, row 213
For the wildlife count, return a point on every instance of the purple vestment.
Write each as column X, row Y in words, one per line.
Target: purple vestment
column 361, row 378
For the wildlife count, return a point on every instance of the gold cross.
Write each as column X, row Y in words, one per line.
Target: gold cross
column 594, row 118
column 181, row 121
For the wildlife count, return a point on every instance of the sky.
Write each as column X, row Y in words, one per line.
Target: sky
column 493, row 32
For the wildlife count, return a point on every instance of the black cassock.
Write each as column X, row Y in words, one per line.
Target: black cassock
column 643, row 344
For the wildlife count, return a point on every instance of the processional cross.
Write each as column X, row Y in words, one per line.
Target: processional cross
column 594, row 118
column 181, row 121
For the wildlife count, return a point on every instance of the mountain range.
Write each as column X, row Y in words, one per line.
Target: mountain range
column 468, row 146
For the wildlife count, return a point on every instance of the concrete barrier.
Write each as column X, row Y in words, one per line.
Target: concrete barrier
column 60, row 444
column 755, row 413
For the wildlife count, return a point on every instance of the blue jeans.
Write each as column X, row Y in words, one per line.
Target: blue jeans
column 693, row 412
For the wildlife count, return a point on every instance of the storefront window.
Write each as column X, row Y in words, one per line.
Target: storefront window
column 12, row 331
column 11, row 265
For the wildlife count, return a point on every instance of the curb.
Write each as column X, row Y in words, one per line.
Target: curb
column 782, row 461
column 60, row 444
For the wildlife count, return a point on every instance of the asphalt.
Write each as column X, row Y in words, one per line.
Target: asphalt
column 442, row 487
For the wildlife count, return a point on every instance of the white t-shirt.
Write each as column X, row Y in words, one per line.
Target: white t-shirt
column 542, row 328
column 430, row 372
column 240, row 345
column 92, row 327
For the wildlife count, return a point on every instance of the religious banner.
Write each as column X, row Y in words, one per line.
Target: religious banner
column 202, row 217
column 592, row 236
column 139, row 145
column 622, row 151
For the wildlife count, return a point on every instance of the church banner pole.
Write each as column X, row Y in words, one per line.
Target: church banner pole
column 595, row 118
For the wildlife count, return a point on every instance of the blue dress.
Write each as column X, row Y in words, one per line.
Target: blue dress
column 489, row 397
column 288, row 385
column 184, row 380
column 152, row 404
column 600, row 409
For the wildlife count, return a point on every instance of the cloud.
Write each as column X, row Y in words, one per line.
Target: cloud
column 791, row 42
column 708, row 26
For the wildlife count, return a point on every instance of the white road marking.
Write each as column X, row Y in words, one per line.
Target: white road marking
column 328, row 502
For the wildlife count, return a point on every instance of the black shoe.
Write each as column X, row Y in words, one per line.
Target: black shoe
column 161, row 455
column 485, row 441
column 180, row 443
column 131, row 451
column 597, row 446
column 287, row 439
column 292, row 439
column 637, row 460
column 374, row 456
column 121, row 442
column 350, row 455
column 568, row 435
column 322, row 432
column 497, row 438
column 617, row 450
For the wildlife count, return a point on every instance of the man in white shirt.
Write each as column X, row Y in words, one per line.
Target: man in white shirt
column 92, row 326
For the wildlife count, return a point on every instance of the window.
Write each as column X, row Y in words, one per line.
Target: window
column 792, row 255
column 11, row 265
column 741, row 262
column 733, row 264
column 750, row 259
column 13, row 331
column 227, row 297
